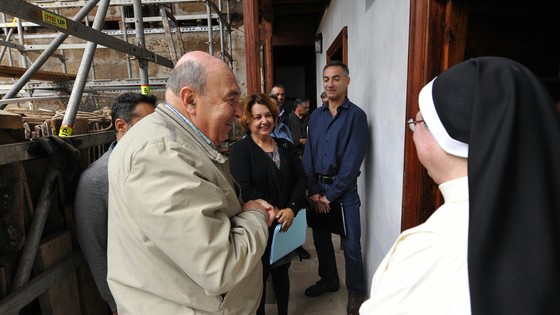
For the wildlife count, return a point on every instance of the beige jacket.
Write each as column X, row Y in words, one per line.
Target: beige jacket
column 178, row 240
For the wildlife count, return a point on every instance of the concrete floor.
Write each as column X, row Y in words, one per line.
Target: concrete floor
column 304, row 274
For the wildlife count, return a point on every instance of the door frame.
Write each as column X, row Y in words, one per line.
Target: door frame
column 437, row 40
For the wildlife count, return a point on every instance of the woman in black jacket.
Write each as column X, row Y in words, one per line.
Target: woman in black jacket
column 269, row 168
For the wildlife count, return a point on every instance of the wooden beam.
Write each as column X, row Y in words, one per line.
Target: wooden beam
column 437, row 40
column 281, row 2
column 456, row 27
column 16, row 72
column 62, row 297
column 10, row 120
column 25, row 294
column 267, row 10
column 415, row 176
column 252, row 58
column 268, row 56
column 299, row 8
column 294, row 40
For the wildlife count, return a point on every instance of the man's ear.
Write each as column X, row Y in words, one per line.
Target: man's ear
column 121, row 126
column 187, row 96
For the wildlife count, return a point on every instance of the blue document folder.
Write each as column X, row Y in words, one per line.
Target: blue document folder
column 285, row 242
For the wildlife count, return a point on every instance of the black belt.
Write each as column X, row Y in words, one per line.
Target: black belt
column 326, row 179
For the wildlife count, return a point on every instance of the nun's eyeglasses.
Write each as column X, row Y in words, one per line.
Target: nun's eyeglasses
column 412, row 123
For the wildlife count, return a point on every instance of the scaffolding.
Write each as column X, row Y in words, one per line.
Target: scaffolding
column 19, row 22
column 160, row 18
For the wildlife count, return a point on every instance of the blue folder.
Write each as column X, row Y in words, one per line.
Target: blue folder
column 285, row 242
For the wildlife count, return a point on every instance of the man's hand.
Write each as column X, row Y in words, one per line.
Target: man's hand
column 286, row 218
column 262, row 206
column 322, row 204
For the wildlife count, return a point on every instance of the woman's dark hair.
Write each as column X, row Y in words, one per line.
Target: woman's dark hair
column 257, row 98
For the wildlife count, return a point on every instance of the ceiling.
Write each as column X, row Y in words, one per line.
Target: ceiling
column 294, row 22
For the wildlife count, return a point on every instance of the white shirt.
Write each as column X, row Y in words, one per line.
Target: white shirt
column 425, row 272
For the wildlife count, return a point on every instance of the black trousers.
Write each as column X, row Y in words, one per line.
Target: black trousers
column 280, row 284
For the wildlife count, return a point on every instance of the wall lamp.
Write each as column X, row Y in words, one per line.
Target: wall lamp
column 319, row 43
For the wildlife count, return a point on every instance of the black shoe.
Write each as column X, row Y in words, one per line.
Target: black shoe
column 355, row 300
column 320, row 288
column 303, row 253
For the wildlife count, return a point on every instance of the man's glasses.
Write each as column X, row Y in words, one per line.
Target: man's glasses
column 412, row 123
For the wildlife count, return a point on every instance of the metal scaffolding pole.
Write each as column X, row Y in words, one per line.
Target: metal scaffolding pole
column 141, row 42
column 210, row 42
column 178, row 37
column 8, row 35
column 36, row 226
column 46, row 54
column 62, row 59
column 81, row 77
column 230, row 44
column 51, row 20
column 221, row 31
column 165, row 21
column 125, row 38
column 223, row 21
column 92, row 66
column 24, row 63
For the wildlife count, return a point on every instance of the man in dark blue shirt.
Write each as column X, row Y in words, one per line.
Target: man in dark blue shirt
column 280, row 91
column 298, row 124
column 337, row 141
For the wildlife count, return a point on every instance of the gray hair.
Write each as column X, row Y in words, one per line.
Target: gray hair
column 338, row 63
column 189, row 73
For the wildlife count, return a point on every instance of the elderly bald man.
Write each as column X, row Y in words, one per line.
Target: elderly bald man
column 180, row 239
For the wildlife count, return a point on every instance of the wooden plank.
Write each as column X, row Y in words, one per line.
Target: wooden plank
column 62, row 297
column 90, row 299
column 10, row 120
column 423, row 64
column 456, row 26
column 23, row 295
column 12, row 209
column 268, row 56
column 4, row 280
column 16, row 72
column 252, row 58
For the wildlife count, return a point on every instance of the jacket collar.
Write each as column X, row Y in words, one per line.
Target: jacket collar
column 186, row 132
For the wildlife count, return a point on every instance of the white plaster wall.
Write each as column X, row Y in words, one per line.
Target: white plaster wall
column 377, row 58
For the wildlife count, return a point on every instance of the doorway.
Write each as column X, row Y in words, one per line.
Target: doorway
column 294, row 68
column 446, row 32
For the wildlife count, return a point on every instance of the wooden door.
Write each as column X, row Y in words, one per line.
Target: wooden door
column 437, row 39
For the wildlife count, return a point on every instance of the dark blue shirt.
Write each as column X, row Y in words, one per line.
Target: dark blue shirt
column 336, row 147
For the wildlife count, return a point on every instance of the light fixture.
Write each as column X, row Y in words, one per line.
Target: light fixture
column 319, row 43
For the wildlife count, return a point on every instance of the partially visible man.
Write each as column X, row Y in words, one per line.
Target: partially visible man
column 91, row 200
column 280, row 91
column 281, row 130
column 180, row 240
column 324, row 98
column 337, row 141
column 298, row 124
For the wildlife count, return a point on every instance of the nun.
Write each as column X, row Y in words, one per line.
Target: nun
column 488, row 134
